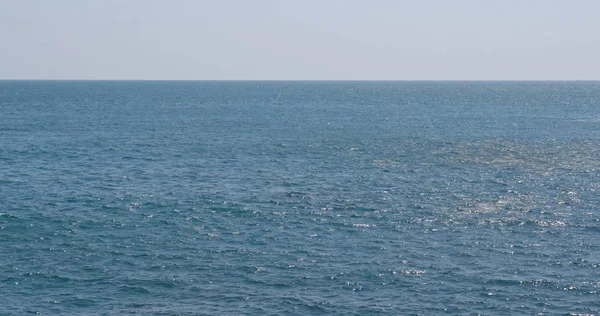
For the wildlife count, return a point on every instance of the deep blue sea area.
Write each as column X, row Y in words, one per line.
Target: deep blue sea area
column 308, row 198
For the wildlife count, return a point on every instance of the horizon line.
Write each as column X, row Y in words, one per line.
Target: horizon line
column 310, row 80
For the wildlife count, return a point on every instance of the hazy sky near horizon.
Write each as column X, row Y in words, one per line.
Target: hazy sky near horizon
column 300, row 39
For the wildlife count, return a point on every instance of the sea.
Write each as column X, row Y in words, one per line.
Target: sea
column 306, row 198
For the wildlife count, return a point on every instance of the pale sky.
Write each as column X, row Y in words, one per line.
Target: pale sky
column 300, row 39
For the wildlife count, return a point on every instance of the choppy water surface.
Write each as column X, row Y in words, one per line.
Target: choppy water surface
column 348, row 198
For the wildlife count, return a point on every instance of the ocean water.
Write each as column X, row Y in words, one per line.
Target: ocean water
column 308, row 198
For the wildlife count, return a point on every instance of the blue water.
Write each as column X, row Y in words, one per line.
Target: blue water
column 275, row 198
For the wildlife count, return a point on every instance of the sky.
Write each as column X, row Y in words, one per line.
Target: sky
column 300, row 39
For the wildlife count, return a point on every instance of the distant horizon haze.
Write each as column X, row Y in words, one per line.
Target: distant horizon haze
column 268, row 40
